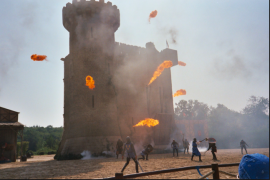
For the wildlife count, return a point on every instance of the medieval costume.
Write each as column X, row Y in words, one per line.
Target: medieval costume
column 175, row 146
column 213, row 148
column 146, row 152
column 119, row 147
column 243, row 145
column 131, row 153
column 195, row 151
column 185, row 145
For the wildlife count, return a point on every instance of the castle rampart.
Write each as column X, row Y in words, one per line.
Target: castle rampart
column 121, row 72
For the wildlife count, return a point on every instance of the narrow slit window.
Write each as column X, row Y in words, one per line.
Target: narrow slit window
column 93, row 101
column 109, row 68
column 91, row 32
column 160, row 98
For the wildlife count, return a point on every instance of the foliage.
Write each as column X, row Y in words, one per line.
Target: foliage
column 191, row 110
column 24, row 148
column 229, row 127
column 42, row 139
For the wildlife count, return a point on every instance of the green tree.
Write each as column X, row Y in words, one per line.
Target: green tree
column 191, row 110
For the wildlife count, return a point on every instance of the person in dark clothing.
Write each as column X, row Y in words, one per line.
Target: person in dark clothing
column 146, row 152
column 213, row 148
column 131, row 153
column 243, row 145
column 119, row 147
column 195, row 151
column 175, row 146
column 185, row 145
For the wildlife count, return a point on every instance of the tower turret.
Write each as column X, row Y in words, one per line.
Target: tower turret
column 91, row 24
column 90, row 116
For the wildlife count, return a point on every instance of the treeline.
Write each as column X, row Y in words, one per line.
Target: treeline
column 41, row 140
column 229, row 127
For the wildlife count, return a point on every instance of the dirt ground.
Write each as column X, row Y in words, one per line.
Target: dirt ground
column 45, row 167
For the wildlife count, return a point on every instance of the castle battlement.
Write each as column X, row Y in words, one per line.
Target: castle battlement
column 92, row 11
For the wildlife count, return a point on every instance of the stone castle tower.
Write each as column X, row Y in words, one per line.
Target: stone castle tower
column 122, row 97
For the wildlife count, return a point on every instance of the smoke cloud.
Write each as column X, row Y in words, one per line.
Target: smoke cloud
column 171, row 34
column 231, row 66
column 23, row 17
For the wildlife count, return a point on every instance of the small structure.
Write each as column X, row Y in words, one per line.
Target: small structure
column 9, row 127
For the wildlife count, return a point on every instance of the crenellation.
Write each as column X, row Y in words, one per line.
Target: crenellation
column 94, row 11
column 121, row 73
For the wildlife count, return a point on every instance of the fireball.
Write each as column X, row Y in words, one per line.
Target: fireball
column 153, row 14
column 90, row 82
column 36, row 57
column 160, row 69
column 180, row 93
column 180, row 63
column 147, row 122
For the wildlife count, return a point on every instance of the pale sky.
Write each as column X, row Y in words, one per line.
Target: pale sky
column 225, row 44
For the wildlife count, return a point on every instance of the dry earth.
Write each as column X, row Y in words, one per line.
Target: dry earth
column 45, row 167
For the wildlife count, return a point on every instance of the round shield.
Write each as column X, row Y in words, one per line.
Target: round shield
column 212, row 140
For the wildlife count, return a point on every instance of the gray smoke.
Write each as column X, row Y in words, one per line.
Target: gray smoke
column 173, row 35
column 231, row 66
column 20, row 18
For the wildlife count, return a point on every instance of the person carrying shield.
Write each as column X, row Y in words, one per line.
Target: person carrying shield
column 119, row 147
column 195, row 151
column 131, row 153
column 243, row 145
column 175, row 146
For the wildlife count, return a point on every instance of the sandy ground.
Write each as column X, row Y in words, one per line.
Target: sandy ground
column 45, row 167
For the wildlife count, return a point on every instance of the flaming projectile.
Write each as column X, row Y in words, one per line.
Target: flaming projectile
column 90, row 82
column 180, row 63
column 147, row 122
column 36, row 57
column 180, row 92
column 153, row 14
column 160, row 69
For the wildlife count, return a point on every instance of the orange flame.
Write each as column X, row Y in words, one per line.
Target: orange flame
column 180, row 92
column 36, row 57
column 90, row 82
column 152, row 14
column 147, row 122
column 160, row 69
column 180, row 63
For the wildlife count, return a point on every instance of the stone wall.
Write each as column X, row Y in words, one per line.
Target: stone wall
column 121, row 72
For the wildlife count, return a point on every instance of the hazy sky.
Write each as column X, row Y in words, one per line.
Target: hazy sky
column 225, row 44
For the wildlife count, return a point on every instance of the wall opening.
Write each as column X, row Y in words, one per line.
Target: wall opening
column 91, row 32
column 109, row 68
column 93, row 101
column 133, row 125
column 160, row 98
